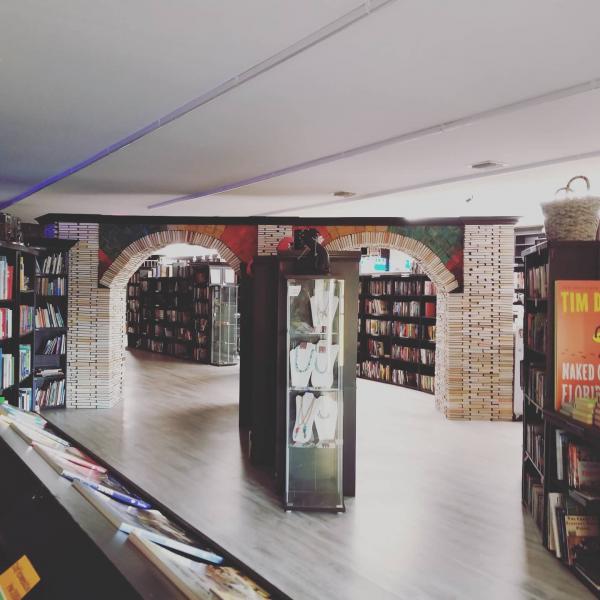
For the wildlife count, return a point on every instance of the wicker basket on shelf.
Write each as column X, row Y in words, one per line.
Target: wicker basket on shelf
column 574, row 217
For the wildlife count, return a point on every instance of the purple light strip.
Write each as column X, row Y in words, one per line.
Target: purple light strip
column 325, row 32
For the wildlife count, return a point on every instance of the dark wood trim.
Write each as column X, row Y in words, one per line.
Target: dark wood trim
column 308, row 221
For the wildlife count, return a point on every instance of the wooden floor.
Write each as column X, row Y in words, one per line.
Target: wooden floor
column 437, row 513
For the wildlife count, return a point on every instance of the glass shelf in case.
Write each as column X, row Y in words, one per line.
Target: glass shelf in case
column 314, row 403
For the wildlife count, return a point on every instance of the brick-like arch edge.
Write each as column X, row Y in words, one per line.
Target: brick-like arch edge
column 131, row 258
column 435, row 269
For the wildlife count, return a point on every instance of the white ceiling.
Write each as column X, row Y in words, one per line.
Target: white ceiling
column 77, row 79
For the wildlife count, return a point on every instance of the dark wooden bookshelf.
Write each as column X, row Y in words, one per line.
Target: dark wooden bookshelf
column 417, row 371
column 188, row 291
column 562, row 261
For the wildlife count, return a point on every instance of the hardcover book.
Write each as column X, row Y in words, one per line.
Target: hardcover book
column 583, row 533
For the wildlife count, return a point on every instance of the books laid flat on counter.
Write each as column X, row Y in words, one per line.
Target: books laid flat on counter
column 79, row 459
column 35, row 434
column 102, row 482
column 196, row 580
column 12, row 413
column 149, row 523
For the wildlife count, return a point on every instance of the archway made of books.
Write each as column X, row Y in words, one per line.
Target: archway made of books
column 442, row 277
column 131, row 258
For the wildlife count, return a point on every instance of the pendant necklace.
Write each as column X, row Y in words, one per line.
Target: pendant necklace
column 317, row 367
column 322, row 312
column 308, row 363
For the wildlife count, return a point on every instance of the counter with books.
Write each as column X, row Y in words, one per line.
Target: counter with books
column 140, row 549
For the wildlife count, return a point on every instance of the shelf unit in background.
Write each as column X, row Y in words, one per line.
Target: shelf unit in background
column 187, row 310
column 411, row 336
column 544, row 264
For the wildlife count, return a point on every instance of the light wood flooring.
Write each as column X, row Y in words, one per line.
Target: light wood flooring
column 437, row 513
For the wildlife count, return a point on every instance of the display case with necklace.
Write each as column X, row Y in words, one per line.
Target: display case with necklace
column 305, row 417
column 301, row 364
column 325, row 359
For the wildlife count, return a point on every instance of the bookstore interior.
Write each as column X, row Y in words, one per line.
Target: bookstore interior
column 284, row 316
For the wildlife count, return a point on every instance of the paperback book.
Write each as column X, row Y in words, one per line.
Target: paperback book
column 149, row 523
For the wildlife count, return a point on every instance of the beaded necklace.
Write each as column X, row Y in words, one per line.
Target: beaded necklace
column 310, row 358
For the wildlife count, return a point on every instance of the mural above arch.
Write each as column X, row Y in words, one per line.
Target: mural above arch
column 114, row 238
column 445, row 241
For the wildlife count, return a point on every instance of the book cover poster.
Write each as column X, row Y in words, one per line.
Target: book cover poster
column 577, row 341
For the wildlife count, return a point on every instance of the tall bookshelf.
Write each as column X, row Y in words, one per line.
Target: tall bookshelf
column 187, row 310
column 51, row 326
column 546, row 431
column 396, row 330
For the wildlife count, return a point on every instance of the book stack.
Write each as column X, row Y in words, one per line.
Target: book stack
column 6, row 279
column 478, row 336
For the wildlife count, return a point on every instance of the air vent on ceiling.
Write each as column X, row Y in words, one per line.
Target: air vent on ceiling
column 342, row 194
column 488, row 164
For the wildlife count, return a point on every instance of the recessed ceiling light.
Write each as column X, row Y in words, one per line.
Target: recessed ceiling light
column 488, row 164
column 342, row 194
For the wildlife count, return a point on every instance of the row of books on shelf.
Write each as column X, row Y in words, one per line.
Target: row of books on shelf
column 534, row 439
column 197, row 570
column 377, row 348
column 164, row 270
column 535, row 385
column 6, row 279
column 537, row 282
column 413, row 308
column 24, row 280
column 200, row 293
column 398, row 287
column 51, row 394
column 201, row 307
column 573, row 534
column 413, row 331
column 164, row 331
column 537, row 331
column 165, row 287
column 377, row 371
column 533, row 496
column 53, row 264
column 585, row 410
column 519, row 280
column 25, row 399
column 56, row 345
column 26, row 319
column 49, row 317
column 5, row 323
column 51, row 287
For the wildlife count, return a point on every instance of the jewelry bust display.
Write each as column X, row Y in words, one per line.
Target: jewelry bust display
column 306, row 406
column 326, row 415
column 302, row 359
column 323, row 369
column 323, row 305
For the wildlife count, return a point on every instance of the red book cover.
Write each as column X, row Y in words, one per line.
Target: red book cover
column 9, row 282
column 430, row 309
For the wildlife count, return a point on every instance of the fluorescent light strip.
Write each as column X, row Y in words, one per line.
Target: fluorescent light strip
column 339, row 24
column 402, row 138
column 437, row 182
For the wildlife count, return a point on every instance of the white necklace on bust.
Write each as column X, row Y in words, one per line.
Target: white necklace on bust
column 322, row 311
column 304, row 417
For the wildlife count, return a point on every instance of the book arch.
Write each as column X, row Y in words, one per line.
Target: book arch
column 434, row 268
column 132, row 257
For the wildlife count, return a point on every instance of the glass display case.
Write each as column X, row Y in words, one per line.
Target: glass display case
column 314, row 407
column 224, row 342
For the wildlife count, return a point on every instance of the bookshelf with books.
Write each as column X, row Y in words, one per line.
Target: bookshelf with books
column 49, row 319
column 187, row 309
column 561, row 439
column 396, row 330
